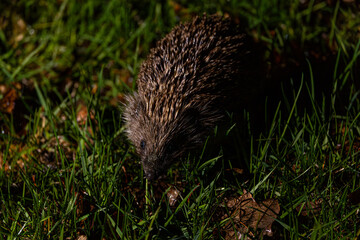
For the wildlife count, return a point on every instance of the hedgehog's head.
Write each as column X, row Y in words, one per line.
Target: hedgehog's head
column 160, row 141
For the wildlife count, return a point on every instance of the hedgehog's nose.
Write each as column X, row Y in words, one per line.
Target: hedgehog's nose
column 149, row 176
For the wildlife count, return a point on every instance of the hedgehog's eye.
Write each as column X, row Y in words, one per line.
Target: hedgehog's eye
column 142, row 144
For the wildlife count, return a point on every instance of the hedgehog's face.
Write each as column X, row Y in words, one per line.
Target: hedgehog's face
column 158, row 144
column 159, row 152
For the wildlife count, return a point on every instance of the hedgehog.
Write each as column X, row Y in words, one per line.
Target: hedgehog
column 195, row 76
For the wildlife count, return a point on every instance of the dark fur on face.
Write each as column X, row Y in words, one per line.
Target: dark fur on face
column 185, row 86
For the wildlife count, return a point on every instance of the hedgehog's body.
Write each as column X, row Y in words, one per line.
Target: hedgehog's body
column 185, row 87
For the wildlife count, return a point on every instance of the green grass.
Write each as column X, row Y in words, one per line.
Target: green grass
column 64, row 174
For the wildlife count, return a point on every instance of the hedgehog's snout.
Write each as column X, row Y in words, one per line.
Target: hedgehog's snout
column 154, row 167
column 149, row 168
column 149, row 173
column 149, row 176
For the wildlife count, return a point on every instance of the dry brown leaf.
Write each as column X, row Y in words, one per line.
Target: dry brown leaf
column 238, row 170
column 7, row 103
column 18, row 151
column 173, row 195
column 82, row 114
column 2, row 164
column 81, row 237
column 3, row 88
column 94, row 89
column 246, row 214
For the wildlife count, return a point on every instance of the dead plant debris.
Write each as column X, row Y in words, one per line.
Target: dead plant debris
column 243, row 215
